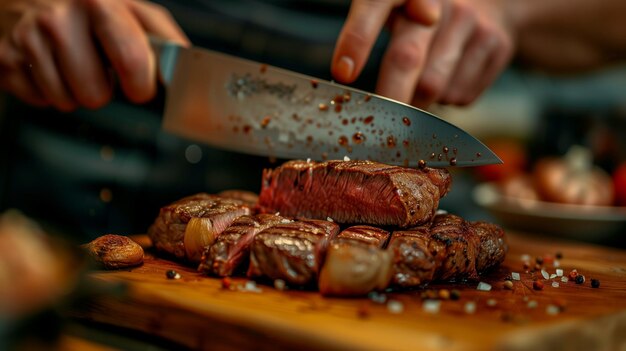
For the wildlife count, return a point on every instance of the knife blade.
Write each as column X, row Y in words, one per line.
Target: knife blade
column 249, row 107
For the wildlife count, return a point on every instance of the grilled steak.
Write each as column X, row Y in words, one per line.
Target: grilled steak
column 361, row 192
column 249, row 198
column 413, row 264
column 232, row 247
column 356, row 263
column 493, row 245
column 292, row 252
column 450, row 249
column 183, row 228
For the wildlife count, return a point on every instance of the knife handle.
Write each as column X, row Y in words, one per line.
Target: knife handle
column 166, row 53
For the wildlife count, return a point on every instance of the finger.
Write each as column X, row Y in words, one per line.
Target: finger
column 10, row 56
column 43, row 69
column 358, row 35
column 404, row 59
column 79, row 62
column 482, row 61
column 426, row 12
column 157, row 20
column 126, row 46
column 19, row 83
column 445, row 54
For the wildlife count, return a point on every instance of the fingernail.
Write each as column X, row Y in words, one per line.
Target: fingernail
column 345, row 68
column 434, row 7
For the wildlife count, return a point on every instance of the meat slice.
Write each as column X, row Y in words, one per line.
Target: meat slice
column 358, row 192
column 232, row 247
column 292, row 252
column 356, row 262
column 454, row 245
column 249, row 198
column 450, row 249
column 413, row 263
column 185, row 227
column 493, row 245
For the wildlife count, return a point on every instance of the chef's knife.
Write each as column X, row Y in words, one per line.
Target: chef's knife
column 244, row 106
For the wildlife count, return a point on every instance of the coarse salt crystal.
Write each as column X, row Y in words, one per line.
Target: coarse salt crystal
column 492, row 302
column 559, row 272
column 308, row 160
column 532, row 304
column 470, row 307
column 564, row 279
column 552, row 310
column 346, row 158
column 378, row 298
column 552, row 276
column 441, row 212
column 525, row 258
column 395, row 307
column 482, row 286
column 555, row 284
column 431, row 306
column 515, row 276
column 545, row 274
column 556, row 263
column 329, row 219
column 279, row 284
column 249, row 286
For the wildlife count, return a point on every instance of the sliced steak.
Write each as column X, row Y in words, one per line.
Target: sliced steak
column 359, row 192
column 232, row 247
column 184, row 227
column 454, row 245
column 493, row 245
column 356, row 263
column 413, row 264
column 249, row 198
column 450, row 249
column 292, row 252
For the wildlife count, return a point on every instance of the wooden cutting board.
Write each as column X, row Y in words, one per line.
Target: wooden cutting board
column 197, row 312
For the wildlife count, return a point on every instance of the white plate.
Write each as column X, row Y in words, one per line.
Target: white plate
column 589, row 223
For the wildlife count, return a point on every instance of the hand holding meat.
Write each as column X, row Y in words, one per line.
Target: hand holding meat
column 56, row 52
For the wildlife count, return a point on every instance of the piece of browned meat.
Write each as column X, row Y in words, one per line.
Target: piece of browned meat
column 356, row 262
column 249, row 198
column 451, row 249
column 232, row 247
column 358, row 192
column 185, row 227
column 293, row 252
column 493, row 245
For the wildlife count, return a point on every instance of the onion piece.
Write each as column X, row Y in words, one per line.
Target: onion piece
column 199, row 234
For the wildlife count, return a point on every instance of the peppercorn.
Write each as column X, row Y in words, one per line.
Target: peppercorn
column 539, row 260
column 172, row 274
column 455, row 294
column 573, row 274
column 508, row 285
column 559, row 255
column 444, row 294
column 226, row 283
column 595, row 283
column 580, row 279
column 537, row 285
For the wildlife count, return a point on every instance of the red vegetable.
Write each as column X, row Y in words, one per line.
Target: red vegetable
column 619, row 182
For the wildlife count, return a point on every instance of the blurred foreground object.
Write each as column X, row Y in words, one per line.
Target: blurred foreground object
column 34, row 270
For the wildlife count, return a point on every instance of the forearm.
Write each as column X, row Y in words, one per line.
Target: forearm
column 569, row 35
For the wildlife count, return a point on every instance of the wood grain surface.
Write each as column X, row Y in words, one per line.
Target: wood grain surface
column 197, row 312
